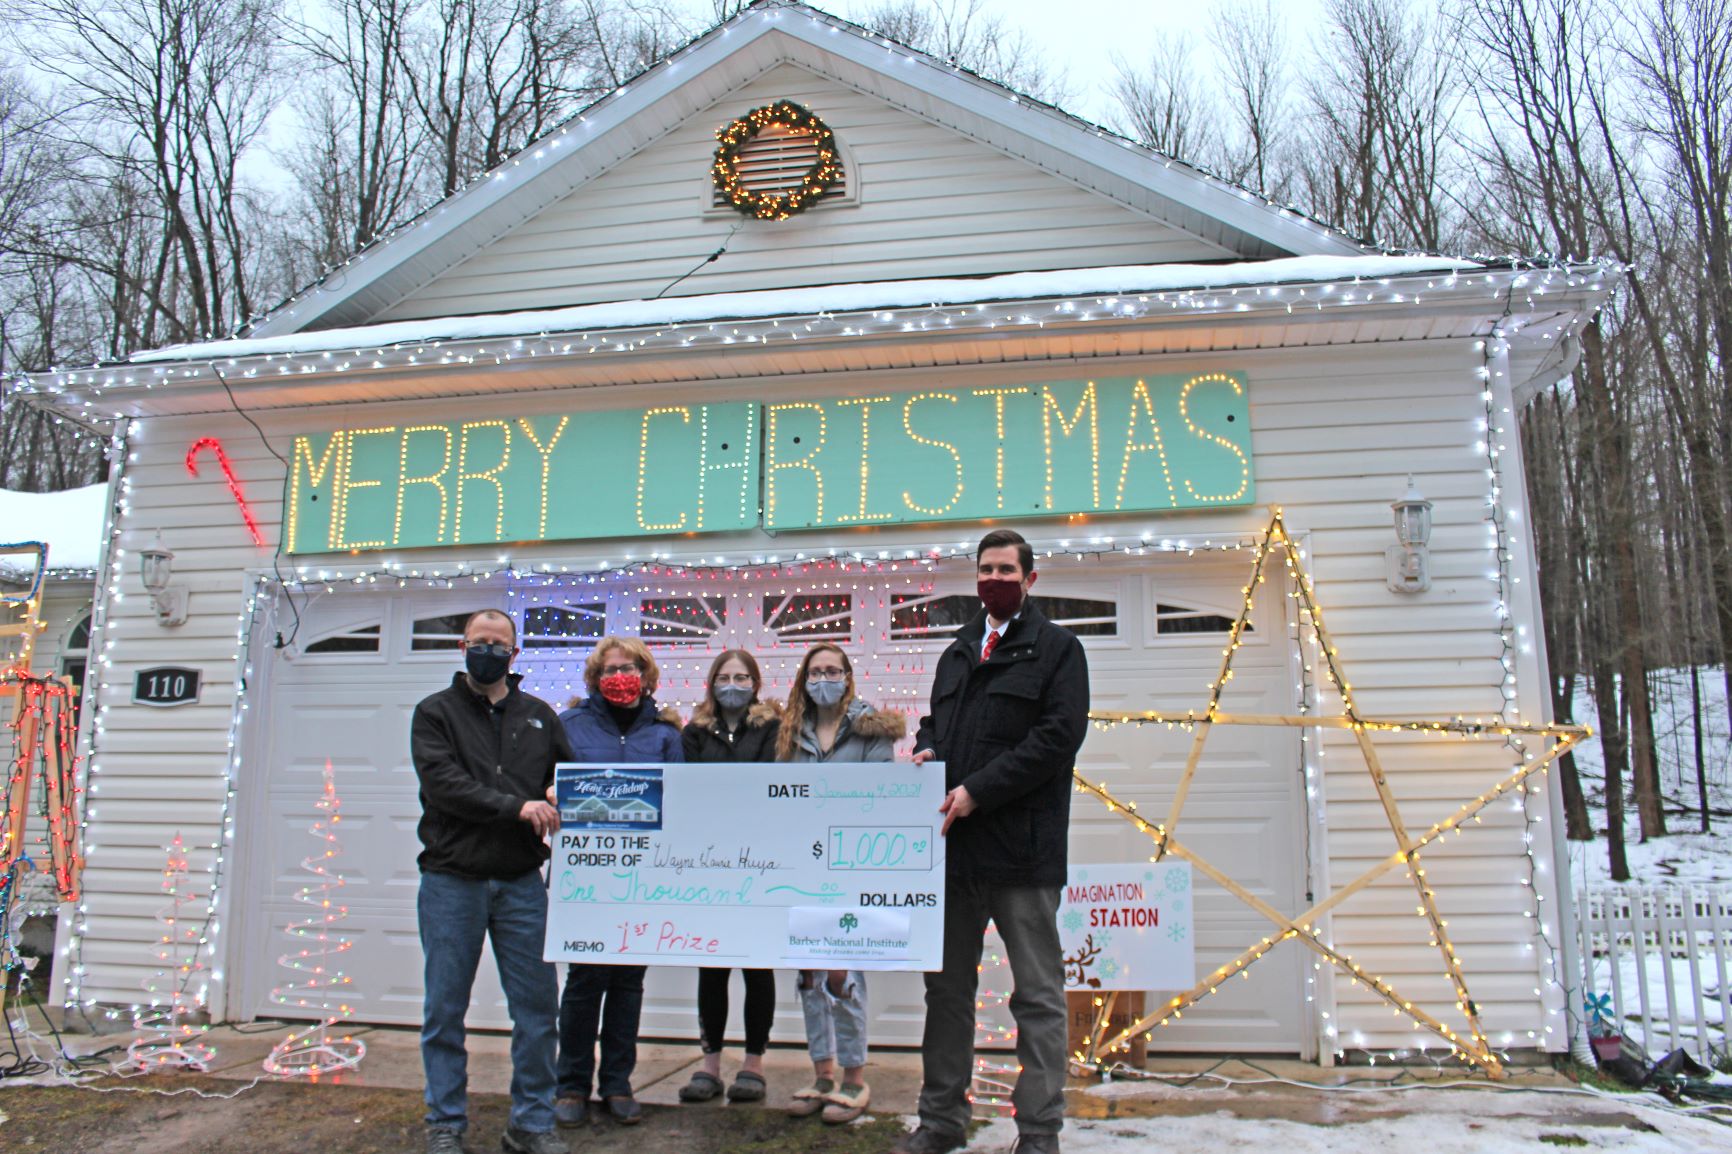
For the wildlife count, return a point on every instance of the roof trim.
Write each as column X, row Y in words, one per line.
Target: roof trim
column 551, row 167
column 1534, row 307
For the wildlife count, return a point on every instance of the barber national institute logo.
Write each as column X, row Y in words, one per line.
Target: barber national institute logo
column 849, row 923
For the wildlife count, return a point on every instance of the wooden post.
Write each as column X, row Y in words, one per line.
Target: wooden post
column 1089, row 1025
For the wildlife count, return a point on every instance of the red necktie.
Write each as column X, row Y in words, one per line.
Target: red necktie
column 991, row 644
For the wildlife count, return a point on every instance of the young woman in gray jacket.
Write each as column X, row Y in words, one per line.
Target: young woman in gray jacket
column 825, row 721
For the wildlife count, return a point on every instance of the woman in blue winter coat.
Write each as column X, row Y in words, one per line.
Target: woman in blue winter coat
column 825, row 721
column 617, row 724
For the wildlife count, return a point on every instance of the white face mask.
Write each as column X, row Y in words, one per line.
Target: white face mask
column 826, row 693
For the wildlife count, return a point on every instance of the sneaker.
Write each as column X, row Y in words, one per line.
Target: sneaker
column 525, row 1142
column 444, row 1140
column 1035, row 1144
column 846, row 1103
column 926, row 1140
column 571, row 1111
column 809, row 1101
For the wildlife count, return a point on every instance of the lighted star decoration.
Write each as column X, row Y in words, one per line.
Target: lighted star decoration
column 1468, row 1043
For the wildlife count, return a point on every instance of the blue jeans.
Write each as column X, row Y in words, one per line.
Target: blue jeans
column 455, row 914
column 835, row 1027
column 608, row 1000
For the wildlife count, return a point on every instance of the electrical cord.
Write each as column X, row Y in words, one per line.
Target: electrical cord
column 711, row 259
column 277, row 555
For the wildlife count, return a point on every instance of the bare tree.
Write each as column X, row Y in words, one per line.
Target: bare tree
column 1381, row 109
column 1251, row 37
column 1163, row 104
column 489, row 76
column 1683, row 65
column 355, row 161
column 173, row 92
column 964, row 33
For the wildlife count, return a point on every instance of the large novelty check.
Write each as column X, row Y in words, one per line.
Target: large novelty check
column 831, row 866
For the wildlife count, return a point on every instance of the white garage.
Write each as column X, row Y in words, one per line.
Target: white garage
column 1152, row 630
column 588, row 389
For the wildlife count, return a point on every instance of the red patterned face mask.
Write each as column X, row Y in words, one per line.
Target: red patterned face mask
column 622, row 688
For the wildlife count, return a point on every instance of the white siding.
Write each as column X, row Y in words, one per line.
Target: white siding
column 1336, row 433
column 929, row 202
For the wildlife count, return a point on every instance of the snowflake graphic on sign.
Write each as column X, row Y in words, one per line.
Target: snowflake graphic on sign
column 1178, row 881
column 1073, row 920
column 1177, row 933
column 1109, row 968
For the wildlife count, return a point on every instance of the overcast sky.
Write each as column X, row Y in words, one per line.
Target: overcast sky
column 1084, row 36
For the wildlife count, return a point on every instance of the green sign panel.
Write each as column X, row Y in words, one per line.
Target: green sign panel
column 1123, row 444
column 640, row 472
column 1101, row 446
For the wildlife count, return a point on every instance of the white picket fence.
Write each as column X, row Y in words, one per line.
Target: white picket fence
column 1664, row 955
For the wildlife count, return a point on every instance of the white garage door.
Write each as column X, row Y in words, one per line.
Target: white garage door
column 1153, row 631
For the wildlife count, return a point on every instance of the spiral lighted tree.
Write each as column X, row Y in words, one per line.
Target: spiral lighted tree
column 994, row 1076
column 318, row 988
column 169, row 1037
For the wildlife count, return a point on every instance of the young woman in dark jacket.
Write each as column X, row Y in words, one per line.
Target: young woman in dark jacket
column 617, row 724
column 732, row 725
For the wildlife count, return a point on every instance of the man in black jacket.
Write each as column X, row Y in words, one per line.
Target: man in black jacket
column 1010, row 702
column 484, row 752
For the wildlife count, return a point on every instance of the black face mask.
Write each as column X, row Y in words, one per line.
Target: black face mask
column 485, row 668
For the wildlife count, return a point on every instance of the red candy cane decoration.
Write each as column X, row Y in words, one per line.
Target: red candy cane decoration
column 216, row 447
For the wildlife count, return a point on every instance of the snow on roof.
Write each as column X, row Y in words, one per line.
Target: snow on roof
column 70, row 522
column 838, row 298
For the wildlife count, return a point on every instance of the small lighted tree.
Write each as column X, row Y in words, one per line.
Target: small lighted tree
column 169, row 1037
column 994, row 1077
column 318, row 987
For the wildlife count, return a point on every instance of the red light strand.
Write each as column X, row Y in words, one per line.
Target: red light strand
column 215, row 446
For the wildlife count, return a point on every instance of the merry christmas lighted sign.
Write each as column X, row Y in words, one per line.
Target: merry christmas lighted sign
column 1128, row 444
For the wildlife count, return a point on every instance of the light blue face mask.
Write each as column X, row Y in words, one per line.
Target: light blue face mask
column 733, row 696
column 826, row 693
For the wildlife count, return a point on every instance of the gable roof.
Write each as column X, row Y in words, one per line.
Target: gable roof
column 767, row 34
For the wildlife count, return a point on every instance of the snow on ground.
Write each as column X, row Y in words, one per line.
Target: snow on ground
column 1429, row 1120
column 1684, row 855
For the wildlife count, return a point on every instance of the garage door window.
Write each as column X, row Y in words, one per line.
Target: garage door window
column 1173, row 620
column 550, row 627
column 681, row 620
column 443, row 632
column 800, row 618
column 914, row 616
column 360, row 639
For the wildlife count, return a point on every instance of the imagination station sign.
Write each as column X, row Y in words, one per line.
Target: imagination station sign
column 1124, row 444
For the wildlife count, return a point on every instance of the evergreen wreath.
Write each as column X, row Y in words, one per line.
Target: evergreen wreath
column 825, row 171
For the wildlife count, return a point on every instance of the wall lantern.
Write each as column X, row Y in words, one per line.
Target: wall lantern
column 1410, row 561
column 155, row 569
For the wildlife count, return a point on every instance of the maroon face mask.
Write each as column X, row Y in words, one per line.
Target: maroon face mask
column 1001, row 596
